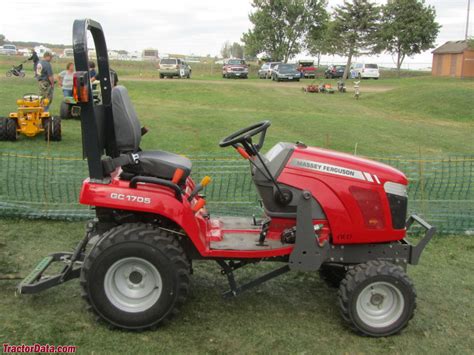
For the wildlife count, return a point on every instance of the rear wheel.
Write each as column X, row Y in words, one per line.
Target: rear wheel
column 377, row 298
column 65, row 110
column 52, row 129
column 136, row 277
column 11, row 130
column 7, row 129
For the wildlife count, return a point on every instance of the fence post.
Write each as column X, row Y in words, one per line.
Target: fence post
column 422, row 182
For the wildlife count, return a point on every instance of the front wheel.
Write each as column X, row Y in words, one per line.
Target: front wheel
column 377, row 298
column 65, row 110
column 52, row 129
column 136, row 277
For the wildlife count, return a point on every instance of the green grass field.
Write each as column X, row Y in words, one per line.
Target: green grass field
column 296, row 313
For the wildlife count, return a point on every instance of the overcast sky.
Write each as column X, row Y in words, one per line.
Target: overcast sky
column 182, row 26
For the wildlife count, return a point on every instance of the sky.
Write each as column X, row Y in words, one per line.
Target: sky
column 184, row 26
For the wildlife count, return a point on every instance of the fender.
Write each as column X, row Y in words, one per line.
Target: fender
column 149, row 199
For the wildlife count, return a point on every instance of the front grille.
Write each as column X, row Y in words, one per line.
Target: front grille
column 398, row 209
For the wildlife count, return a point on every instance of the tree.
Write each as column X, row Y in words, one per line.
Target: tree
column 2, row 39
column 408, row 27
column 237, row 50
column 353, row 31
column 226, row 50
column 234, row 50
column 318, row 41
column 281, row 26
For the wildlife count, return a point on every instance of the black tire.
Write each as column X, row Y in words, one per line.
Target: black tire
column 52, row 129
column 7, row 129
column 65, row 110
column 189, row 75
column 156, row 247
column 368, row 276
column 11, row 130
column 332, row 275
column 3, row 128
column 162, row 76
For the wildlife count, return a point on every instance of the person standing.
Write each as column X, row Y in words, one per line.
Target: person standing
column 92, row 71
column 66, row 78
column 34, row 57
column 45, row 77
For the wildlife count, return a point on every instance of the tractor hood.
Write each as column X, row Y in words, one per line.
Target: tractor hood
column 334, row 164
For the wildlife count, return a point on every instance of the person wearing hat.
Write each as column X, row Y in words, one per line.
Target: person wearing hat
column 45, row 77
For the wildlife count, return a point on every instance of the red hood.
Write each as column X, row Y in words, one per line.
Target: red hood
column 325, row 161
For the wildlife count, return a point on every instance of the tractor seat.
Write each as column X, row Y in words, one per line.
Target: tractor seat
column 128, row 134
column 158, row 164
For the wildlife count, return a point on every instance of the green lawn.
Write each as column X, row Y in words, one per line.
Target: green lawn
column 296, row 313
column 405, row 117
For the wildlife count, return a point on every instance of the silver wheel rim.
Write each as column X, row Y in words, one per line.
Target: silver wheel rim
column 133, row 284
column 380, row 304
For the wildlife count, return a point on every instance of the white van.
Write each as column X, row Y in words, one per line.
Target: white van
column 366, row 71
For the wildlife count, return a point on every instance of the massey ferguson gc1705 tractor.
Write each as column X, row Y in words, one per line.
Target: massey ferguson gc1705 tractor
column 324, row 211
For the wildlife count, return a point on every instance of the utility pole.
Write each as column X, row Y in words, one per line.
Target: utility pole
column 467, row 20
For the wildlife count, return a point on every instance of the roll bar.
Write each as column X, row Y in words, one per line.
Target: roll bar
column 98, row 135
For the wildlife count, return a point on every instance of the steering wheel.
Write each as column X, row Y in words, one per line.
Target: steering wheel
column 244, row 137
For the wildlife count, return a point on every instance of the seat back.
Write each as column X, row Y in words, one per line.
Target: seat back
column 126, row 124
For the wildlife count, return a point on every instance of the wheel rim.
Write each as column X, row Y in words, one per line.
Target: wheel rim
column 380, row 304
column 133, row 284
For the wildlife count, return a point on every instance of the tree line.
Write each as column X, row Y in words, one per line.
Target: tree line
column 284, row 28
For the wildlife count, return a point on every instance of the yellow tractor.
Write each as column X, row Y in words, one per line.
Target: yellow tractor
column 30, row 120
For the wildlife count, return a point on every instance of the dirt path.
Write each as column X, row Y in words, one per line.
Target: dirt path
column 259, row 83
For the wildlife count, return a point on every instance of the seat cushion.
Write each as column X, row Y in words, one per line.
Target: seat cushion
column 159, row 164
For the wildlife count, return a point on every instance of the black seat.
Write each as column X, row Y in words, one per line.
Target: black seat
column 127, row 127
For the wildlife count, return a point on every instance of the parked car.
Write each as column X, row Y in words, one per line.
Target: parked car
column 272, row 66
column 307, row 68
column 334, row 71
column 263, row 71
column 366, row 71
column 8, row 49
column 235, row 68
column 170, row 67
column 285, row 71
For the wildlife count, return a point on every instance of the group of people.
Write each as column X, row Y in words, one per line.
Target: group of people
column 45, row 76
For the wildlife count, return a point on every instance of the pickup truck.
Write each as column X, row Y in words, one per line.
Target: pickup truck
column 307, row 68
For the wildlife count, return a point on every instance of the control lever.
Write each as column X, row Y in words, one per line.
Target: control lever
column 204, row 182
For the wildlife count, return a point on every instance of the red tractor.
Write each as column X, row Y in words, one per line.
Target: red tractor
column 325, row 211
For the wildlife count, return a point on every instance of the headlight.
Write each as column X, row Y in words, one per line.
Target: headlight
column 395, row 189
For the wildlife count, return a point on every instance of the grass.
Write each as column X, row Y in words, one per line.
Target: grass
column 407, row 117
column 296, row 313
